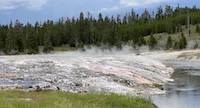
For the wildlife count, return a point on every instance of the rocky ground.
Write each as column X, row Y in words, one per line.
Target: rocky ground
column 79, row 73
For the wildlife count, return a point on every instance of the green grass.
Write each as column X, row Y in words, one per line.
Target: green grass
column 44, row 99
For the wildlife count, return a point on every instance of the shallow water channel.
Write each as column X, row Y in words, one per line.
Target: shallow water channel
column 184, row 92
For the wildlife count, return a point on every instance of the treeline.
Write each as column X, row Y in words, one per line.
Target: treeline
column 87, row 30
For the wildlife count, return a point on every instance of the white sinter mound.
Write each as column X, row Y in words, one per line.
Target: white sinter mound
column 75, row 72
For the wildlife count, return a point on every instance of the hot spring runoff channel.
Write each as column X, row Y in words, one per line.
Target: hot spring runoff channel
column 184, row 92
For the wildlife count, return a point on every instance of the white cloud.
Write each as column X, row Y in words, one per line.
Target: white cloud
column 120, row 4
column 115, row 8
column 141, row 3
column 27, row 4
column 7, row 7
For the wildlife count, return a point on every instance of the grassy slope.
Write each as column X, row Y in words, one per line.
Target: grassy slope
column 162, row 37
column 17, row 99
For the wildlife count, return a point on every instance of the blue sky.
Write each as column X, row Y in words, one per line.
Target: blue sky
column 41, row 10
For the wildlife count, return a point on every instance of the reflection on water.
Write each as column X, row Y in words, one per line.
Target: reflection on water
column 184, row 92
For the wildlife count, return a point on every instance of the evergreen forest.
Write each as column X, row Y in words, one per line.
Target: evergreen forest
column 114, row 31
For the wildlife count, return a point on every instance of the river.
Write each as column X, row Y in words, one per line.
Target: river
column 184, row 92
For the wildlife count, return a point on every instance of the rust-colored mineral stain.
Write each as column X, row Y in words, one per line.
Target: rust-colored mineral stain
column 4, row 75
column 139, row 78
column 112, row 71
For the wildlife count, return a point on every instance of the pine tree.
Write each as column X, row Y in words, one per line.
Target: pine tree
column 3, row 32
column 47, row 46
column 168, row 11
column 183, row 41
column 197, row 29
column 65, row 38
column 81, row 27
column 72, row 42
column 159, row 14
column 169, row 43
column 11, row 42
column 32, row 41
column 176, row 46
column 18, row 32
column 141, row 41
column 195, row 45
column 152, row 41
column 145, row 16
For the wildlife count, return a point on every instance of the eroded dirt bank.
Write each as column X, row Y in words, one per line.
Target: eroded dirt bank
column 74, row 72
